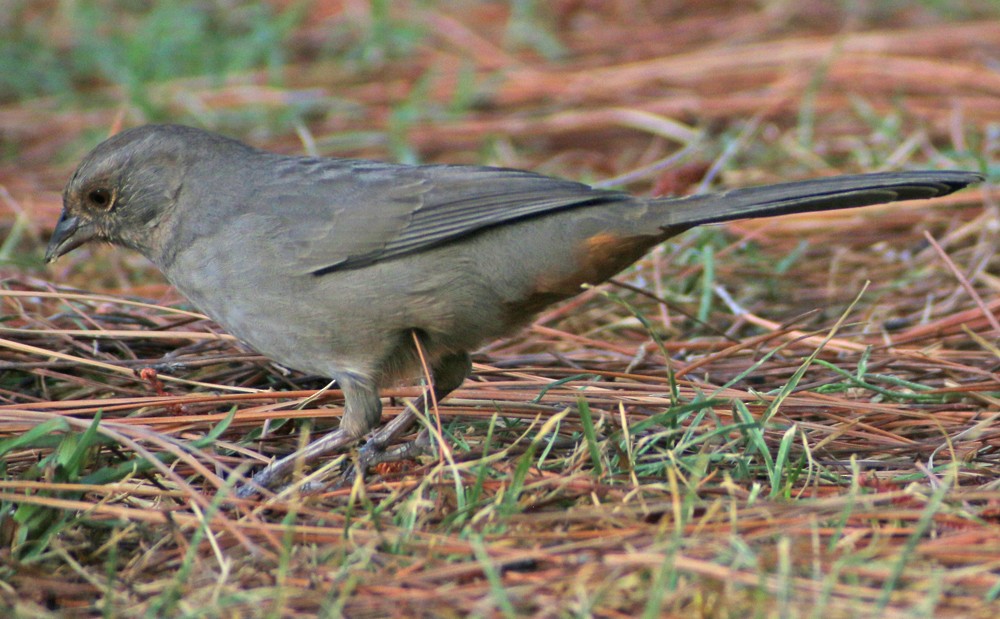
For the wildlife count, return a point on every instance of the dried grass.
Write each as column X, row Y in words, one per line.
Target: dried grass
column 792, row 452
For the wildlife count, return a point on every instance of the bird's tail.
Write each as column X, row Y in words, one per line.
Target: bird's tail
column 819, row 194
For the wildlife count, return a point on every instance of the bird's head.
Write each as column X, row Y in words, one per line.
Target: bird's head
column 129, row 184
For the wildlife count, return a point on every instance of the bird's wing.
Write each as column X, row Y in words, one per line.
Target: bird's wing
column 357, row 213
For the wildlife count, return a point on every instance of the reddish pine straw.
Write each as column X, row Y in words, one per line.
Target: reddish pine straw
column 894, row 505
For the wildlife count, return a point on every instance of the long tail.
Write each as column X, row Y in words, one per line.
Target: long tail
column 819, row 194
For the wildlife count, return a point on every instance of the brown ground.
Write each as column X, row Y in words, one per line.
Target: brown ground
column 790, row 454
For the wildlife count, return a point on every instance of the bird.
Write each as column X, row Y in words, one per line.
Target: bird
column 352, row 269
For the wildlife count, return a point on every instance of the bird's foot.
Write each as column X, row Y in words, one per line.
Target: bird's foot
column 375, row 451
column 272, row 475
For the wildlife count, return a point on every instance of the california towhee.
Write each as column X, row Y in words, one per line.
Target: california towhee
column 331, row 266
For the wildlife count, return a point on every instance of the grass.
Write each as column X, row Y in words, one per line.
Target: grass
column 795, row 417
column 134, row 45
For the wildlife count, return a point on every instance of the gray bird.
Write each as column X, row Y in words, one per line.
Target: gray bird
column 332, row 266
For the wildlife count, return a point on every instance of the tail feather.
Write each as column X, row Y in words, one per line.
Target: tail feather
column 819, row 194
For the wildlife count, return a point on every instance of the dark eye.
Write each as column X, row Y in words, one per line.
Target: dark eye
column 99, row 197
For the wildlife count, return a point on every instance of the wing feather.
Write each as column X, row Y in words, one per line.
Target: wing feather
column 357, row 213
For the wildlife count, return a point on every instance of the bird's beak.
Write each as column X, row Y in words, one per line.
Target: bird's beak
column 69, row 234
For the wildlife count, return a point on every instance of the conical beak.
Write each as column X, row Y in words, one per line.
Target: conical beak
column 69, row 234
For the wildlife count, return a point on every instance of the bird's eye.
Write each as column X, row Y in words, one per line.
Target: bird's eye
column 100, row 197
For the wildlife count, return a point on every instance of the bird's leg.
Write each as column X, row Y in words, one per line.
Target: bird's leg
column 448, row 374
column 362, row 410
